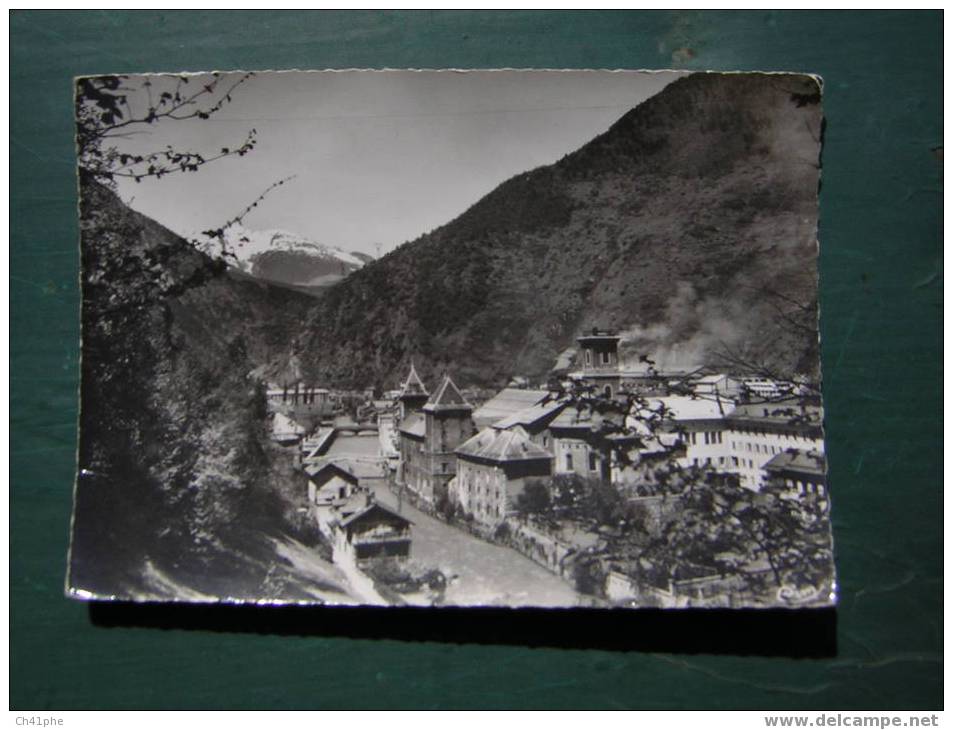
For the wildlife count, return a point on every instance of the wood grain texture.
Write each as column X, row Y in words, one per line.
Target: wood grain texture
column 881, row 312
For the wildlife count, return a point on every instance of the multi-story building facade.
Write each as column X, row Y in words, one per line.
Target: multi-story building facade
column 493, row 468
column 429, row 438
column 759, row 431
column 801, row 472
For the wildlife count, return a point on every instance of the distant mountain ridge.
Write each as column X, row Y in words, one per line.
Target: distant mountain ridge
column 689, row 226
column 286, row 257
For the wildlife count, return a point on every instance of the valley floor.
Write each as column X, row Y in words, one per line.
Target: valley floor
column 478, row 573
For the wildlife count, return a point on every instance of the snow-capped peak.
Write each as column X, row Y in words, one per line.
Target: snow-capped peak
column 247, row 244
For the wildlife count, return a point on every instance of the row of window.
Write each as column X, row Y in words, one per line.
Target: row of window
column 604, row 357
column 805, row 487
column 722, row 460
column 708, row 437
column 716, row 437
column 593, row 462
column 756, row 448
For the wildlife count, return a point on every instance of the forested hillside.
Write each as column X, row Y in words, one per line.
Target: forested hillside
column 690, row 225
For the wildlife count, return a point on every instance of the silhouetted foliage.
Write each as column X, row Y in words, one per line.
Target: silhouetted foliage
column 112, row 108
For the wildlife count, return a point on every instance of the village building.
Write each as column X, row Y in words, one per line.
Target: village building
column 508, row 402
column 718, row 384
column 535, row 421
column 329, row 484
column 429, row 439
column 604, row 368
column 387, row 436
column 600, row 361
column 368, row 532
column 760, row 388
column 757, row 432
column 332, row 491
column 802, row 472
column 285, row 430
column 412, row 436
column 699, row 422
column 493, row 468
column 577, row 448
column 298, row 394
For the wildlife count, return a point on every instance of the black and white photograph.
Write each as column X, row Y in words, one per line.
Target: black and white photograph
column 512, row 338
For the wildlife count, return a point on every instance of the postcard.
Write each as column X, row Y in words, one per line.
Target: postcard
column 514, row 338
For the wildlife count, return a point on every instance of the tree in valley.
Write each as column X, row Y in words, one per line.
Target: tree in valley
column 533, row 500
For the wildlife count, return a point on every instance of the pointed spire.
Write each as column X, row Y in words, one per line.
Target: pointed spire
column 447, row 398
column 413, row 385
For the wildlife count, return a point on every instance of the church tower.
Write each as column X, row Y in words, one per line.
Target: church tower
column 449, row 422
column 413, row 394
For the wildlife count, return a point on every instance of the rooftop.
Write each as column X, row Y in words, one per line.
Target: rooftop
column 323, row 472
column 788, row 410
column 805, row 462
column 597, row 334
column 711, row 378
column 413, row 385
column 447, row 398
column 502, row 446
column 372, row 508
column 415, row 425
column 529, row 416
column 508, row 402
column 283, row 425
column 688, row 408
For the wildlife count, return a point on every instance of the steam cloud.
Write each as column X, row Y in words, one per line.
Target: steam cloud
column 693, row 332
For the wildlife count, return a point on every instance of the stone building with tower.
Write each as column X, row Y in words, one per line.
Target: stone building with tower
column 431, row 428
column 600, row 360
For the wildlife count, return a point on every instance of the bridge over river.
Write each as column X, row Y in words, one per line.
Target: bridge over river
column 347, row 427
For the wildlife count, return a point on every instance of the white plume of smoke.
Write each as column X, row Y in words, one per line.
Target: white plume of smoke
column 692, row 333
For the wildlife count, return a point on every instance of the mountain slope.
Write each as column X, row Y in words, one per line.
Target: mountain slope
column 180, row 491
column 690, row 225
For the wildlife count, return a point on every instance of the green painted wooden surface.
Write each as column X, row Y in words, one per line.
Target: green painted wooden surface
column 881, row 295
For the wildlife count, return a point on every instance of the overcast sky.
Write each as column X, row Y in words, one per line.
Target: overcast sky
column 380, row 157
